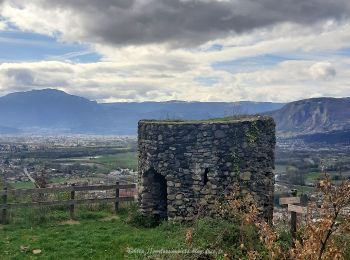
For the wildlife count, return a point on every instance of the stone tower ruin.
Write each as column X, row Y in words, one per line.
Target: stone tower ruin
column 185, row 166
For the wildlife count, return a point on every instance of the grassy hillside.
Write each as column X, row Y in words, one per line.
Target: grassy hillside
column 88, row 240
column 101, row 235
column 97, row 235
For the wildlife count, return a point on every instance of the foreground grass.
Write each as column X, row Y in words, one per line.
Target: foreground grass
column 98, row 234
column 100, row 238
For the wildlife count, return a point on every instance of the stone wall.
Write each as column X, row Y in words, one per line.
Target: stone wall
column 185, row 166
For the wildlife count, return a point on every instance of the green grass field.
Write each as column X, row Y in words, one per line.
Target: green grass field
column 29, row 185
column 313, row 176
column 91, row 239
column 101, row 235
column 22, row 185
column 121, row 160
column 96, row 235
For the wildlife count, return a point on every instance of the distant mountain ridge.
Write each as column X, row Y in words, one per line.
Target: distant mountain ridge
column 50, row 109
column 54, row 111
column 313, row 116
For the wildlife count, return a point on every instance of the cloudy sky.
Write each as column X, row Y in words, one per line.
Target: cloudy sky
column 206, row 50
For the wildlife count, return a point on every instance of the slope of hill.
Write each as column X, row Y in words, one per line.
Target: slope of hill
column 333, row 137
column 311, row 116
column 54, row 111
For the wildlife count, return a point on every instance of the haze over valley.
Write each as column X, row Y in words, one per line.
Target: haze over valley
column 54, row 112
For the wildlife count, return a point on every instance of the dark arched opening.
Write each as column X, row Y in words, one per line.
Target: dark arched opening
column 160, row 196
column 205, row 176
column 156, row 191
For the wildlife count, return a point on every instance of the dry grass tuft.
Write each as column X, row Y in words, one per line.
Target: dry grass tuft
column 69, row 222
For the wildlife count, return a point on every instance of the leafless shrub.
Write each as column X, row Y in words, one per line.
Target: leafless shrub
column 327, row 220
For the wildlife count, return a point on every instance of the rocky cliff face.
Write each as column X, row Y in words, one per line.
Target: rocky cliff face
column 310, row 116
column 185, row 167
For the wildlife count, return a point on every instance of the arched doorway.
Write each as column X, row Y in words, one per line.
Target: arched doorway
column 156, row 187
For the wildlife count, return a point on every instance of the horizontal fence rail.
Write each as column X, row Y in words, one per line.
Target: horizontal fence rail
column 65, row 202
column 69, row 188
column 71, row 202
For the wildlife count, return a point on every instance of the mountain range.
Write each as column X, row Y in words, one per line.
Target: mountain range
column 51, row 111
column 313, row 116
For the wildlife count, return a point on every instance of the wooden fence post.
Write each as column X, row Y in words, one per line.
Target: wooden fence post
column 4, row 204
column 116, row 203
column 293, row 221
column 72, row 197
column 42, row 209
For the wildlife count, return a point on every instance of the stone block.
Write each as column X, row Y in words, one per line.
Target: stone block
column 245, row 176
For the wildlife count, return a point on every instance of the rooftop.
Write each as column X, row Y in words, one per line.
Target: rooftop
column 227, row 119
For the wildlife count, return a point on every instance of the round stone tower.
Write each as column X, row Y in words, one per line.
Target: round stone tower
column 186, row 166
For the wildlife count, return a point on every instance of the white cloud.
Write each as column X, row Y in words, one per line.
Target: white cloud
column 3, row 26
column 110, row 81
column 170, row 22
column 152, row 70
column 322, row 71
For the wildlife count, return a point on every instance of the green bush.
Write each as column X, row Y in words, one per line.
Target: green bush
column 136, row 219
column 284, row 240
column 225, row 237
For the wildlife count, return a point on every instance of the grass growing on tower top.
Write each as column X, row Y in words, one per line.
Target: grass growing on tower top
column 237, row 118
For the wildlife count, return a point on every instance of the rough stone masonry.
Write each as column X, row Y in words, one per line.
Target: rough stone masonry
column 186, row 166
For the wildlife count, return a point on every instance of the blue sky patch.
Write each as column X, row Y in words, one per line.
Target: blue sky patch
column 343, row 52
column 215, row 47
column 207, row 81
column 249, row 64
column 16, row 46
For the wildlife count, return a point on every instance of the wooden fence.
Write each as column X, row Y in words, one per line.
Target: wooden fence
column 5, row 205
